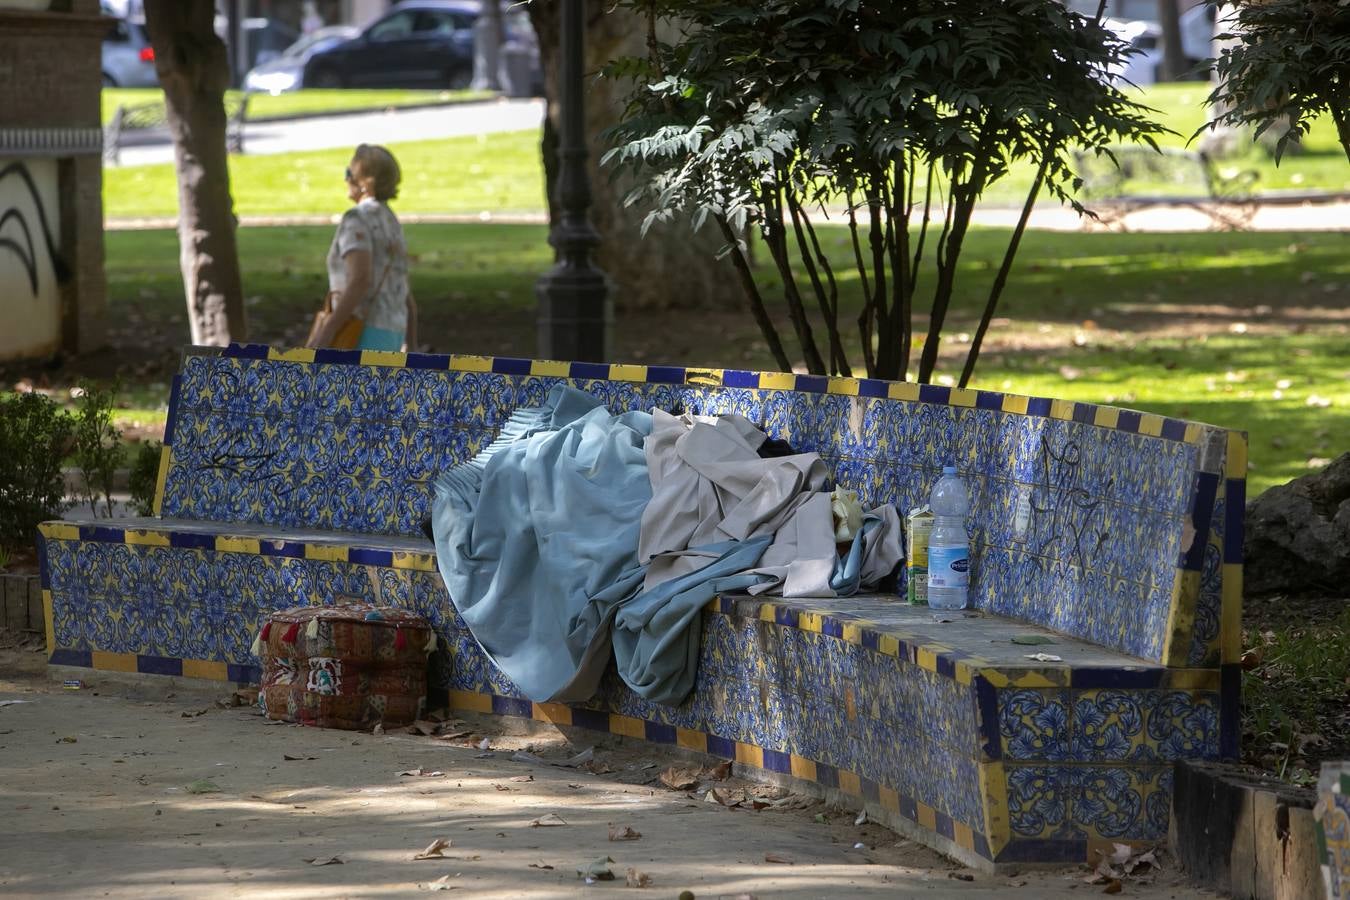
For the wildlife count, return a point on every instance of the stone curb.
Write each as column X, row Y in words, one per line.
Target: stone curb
column 1244, row 835
column 368, row 110
column 21, row 603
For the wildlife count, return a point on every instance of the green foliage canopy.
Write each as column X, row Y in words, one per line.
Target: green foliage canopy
column 1285, row 61
column 756, row 113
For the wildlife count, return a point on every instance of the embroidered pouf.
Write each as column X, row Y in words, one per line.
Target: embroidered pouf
column 345, row 666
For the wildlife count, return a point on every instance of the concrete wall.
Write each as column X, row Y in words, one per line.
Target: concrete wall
column 30, row 236
column 52, row 293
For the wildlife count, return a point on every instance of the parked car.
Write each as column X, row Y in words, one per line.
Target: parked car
column 1145, row 66
column 422, row 43
column 286, row 72
column 128, row 58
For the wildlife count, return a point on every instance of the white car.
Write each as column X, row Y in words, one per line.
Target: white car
column 1145, row 37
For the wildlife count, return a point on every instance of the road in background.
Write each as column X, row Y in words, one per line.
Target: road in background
column 384, row 127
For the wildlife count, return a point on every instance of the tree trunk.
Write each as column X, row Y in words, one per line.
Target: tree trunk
column 1174, row 63
column 194, row 70
column 672, row 267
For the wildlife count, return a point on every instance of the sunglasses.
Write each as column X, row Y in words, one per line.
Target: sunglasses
column 348, row 176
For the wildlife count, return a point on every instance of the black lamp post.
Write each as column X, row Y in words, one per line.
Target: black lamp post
column 575, row 312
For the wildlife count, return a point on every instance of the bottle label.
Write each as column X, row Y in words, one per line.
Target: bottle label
column 948, row 567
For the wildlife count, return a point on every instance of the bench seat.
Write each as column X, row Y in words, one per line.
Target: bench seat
column 294, row 476
column 939, row 723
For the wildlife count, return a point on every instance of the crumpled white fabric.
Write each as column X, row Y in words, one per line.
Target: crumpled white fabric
column 709, row 485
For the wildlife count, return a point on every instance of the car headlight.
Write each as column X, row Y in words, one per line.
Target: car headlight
column 272, row 82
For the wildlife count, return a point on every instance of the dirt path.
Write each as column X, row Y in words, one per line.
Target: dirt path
column 96, row 799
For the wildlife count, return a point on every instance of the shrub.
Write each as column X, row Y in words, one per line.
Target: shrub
column 35, row 434
column 144, row 477
column 1284, row 63
column 98, row 447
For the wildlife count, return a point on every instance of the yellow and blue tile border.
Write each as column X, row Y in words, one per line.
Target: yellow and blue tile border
column 1108, row 417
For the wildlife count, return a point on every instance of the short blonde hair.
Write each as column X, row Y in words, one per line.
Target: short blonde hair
column 379, row 173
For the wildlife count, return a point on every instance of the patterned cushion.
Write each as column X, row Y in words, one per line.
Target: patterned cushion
column 347, row 666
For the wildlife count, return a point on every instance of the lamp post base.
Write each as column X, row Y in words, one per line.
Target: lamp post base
column 575, row 315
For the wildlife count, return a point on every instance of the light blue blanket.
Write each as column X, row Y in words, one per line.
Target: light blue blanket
column 537, row 540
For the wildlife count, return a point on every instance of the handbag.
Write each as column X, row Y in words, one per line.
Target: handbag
column 348, row 336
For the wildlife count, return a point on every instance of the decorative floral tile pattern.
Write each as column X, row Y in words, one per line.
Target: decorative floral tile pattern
column 1059, row 802
column 1104, row 725
column 354, row 448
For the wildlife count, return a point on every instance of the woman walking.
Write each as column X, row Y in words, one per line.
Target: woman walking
column 370, row 304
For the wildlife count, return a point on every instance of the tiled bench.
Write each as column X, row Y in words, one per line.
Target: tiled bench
column 301, row 476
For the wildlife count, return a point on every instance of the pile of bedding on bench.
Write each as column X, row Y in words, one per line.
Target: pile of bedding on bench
column 578, row 531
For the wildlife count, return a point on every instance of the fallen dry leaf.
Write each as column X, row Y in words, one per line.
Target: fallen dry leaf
column 638, row 879
column 325, row 861
column 721, row 771
column 540, row 865
column 422, row 773
column 442, row 884
column 781, row 858
column 522, row 779
column 1114, row 887
column 679, row 779
column 434, row 849
column 289, row 758
column 961, row 876
column 547, row 821
column 596, row 767
column 623, row 833
column 424, row 728
column 502, row 787
column 453, row 735
column 1149, row 859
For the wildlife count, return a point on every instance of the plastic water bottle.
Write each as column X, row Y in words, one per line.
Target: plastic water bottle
column 949, row 544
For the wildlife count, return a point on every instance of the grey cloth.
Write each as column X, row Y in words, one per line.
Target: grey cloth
column 709, row 485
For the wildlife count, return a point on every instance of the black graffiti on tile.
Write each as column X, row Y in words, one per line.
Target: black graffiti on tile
column 1064, row 513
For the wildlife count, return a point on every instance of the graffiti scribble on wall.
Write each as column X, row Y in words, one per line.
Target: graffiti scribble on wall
column 24, row 246
column 32, row 267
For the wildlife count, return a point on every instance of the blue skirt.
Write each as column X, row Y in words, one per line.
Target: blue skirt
column 380, row 339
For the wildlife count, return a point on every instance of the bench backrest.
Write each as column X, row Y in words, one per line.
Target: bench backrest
column 1119, row 527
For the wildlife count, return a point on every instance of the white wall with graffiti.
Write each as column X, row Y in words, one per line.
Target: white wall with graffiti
column 30, row 231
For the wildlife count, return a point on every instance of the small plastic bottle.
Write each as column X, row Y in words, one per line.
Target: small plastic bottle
column 949, row 544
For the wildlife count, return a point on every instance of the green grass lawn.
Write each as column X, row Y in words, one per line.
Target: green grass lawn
column 468, row 175
column 1241, row 330
column 502, row 172
column 310, row 100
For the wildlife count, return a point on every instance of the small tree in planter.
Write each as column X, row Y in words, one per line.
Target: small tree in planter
column 766, row 114
column 1284, row 63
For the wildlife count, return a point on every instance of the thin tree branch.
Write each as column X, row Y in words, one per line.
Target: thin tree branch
column 751, row 291
column 949, row 254
column 865, row 316
column 777, row 234
column 829, row 298
column 1001, row 279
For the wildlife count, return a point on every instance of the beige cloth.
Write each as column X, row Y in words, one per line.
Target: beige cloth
column 710, row 485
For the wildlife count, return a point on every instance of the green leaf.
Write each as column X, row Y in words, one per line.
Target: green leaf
column 1031, row 639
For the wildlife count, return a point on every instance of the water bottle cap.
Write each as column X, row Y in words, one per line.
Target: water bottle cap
column 949, row 470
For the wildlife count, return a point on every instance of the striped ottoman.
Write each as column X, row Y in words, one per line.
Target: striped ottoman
column 345, row 666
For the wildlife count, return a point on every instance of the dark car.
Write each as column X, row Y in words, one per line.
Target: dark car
column 416, row 44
